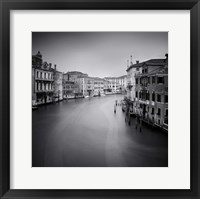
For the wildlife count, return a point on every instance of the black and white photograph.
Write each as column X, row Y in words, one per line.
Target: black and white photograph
column 99, row 99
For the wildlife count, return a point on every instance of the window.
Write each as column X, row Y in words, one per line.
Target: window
column 37, row 74
column 152, row 111
column 153, row 96
column 166, row 113
column 166, row 117
column 166, row 98
column 143, row 95
column 149, row 80
column 136, row 80
column 145, row 70
column 158, row 98
column 147, row 96
column 153, row 80
column 137, row 69
column 140, row 95
column 142, row 70
column 136, row 94
column 160, row 80
column 158, row 113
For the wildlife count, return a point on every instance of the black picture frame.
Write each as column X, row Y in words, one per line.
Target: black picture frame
column 7, row 5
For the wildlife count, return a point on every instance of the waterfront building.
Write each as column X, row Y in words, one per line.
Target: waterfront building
column 151, row 92
column 132, row 70
column 112, row 84
column 91, row 86
column 42, row 81
column 86, row 86
column 58, row 85
column 70, row 89
column 116, row 84
column 98, row 86
column 73, row 83
column 122, row 84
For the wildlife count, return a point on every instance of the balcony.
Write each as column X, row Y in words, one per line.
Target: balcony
column 143, row 101
column 44, row 91
column 43, row 79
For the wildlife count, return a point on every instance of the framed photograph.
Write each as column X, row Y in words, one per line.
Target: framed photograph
column 99, row 99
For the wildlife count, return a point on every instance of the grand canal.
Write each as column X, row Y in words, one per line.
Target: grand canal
column 87, row 133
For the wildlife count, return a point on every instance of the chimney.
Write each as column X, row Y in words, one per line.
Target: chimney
column 50, row 64
column 137, row 62
column 55, row 67
column 131, row 60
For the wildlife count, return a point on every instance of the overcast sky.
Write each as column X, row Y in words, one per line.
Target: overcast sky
column 99, row 54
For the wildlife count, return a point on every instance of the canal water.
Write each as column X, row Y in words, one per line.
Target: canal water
column 87, row 133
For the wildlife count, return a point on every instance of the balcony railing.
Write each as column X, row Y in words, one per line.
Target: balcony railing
column 43, row 79
column 143, row 101
column 44, row 91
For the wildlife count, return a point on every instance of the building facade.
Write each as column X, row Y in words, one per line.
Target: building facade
column 151, row 93
column 132, row 71
column 91, row 86
column 86, row 86
column 58, row 85
column 70, row 89
column 116, row 84
column 42, row 81
column 73, row 84
column 98, row 86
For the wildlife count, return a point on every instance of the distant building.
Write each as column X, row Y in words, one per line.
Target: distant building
column 116, row 84
column 72, row 82
column 86, row 85
column 58, row 85
column 122, row 83
column 91, row 86
column 70, row 89
column 151, row 92
column 42, row 80
column 98, row 86
column 111, row 84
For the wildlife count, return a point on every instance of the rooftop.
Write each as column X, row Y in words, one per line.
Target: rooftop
column 158, row 71
column 150, row 62
column 120, row 77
